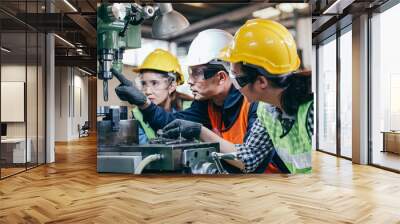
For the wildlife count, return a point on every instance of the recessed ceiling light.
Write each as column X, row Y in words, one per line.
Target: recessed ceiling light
column 195, row 4
column 286, row 7
column 65, row 41
column 70, row 5
column 338, row 6
column 267, row 13
column 5, row 50
column 300, row 5
column 84, row 71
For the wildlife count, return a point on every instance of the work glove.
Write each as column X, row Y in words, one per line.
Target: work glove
column 178, row 127
column 126, row 91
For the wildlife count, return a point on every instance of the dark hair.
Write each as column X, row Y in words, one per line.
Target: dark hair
column 212, row 69
column 297, row 87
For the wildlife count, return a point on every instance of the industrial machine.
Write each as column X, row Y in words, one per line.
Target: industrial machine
column 113, row 131
column 118, row 28
column 119, row 152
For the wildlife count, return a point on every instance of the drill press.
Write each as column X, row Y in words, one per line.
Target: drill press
column 118, row 28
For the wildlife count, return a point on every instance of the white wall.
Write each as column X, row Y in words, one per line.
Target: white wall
column 61, row 103
column 135, row 57
column 13, row 73
column 70, row 84
column 33, row 127
column 79, row 117
column 303, row 39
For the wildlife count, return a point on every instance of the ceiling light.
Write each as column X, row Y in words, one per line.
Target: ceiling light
column 5, row 50
column 79, row 51
column 201, row 5
column 65, row 41
column 70, row 5
column 267, row 13
column 168, row 21
column 286, row 7
column 300, row 5
column 338, row 6
column 84, row 71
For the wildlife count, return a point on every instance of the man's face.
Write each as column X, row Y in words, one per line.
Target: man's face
column 202, row 89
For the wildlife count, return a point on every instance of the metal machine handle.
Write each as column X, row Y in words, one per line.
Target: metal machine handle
column 217, row 159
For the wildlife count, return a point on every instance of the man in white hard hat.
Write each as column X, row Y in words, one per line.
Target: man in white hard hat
column 218, row 104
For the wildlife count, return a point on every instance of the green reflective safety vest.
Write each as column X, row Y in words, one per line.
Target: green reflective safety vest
column 294, row 148
column 150, row 133
column 137, row 114
column 186, row 104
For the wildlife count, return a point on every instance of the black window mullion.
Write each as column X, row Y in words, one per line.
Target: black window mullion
column 37, row 90
column 317, row 97
column 338, row 98
column 369, row 96
column 26, row 86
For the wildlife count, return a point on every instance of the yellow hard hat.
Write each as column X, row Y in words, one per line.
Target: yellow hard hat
column 161, row 60
column 264, row 43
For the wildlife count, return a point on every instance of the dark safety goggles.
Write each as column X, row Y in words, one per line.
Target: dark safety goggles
column 205, row 72
column 241, row 80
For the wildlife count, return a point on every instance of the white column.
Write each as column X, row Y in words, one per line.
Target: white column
column 303, row 39
column 50, row 99
column 50, row 92
column 360, row 90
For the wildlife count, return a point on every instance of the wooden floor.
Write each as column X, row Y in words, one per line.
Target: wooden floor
column 70, row 191
column 10, row 171
column 386, row 159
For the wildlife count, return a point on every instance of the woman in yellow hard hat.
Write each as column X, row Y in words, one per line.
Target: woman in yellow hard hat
column 264, row 67
column 160, row 74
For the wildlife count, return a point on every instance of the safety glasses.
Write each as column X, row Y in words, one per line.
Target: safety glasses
column 204, row 72
column 239, row 81
column 249, row 73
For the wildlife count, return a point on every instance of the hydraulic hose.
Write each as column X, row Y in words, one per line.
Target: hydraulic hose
column 146, row 162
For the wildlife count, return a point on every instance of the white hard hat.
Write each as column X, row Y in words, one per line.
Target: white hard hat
column 207, row 46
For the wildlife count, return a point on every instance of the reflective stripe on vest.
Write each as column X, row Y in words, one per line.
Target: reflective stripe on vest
column 186, row 104
column 294, row 148
column 237, row 131
column 137, row 114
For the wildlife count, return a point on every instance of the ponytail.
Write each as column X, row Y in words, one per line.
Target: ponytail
column 297, row 92
column 297, row 87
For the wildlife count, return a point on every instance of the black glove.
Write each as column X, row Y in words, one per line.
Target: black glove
column 126, row 91
column 186, row 129
column 124, row 81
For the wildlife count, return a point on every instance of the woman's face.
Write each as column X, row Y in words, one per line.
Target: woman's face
column 156, row 87
column 247, row 91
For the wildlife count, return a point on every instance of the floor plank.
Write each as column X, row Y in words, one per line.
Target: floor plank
column 70, row 191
